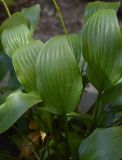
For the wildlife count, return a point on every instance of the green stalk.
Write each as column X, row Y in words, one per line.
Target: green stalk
column 6, row 7
column 60, row 16
column 96, row 111
column 66, row 134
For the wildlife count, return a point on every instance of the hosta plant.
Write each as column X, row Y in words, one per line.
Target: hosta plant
column 53, row 77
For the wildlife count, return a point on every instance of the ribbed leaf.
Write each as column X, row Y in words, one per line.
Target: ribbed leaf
column 14, row 107
column 33, row 15
column 76, row 44
column 102, row 144
column 14, row 38
column 58, row 76
column 102, row 49
column 24, row 61
column 93, row 7
column 15, row 20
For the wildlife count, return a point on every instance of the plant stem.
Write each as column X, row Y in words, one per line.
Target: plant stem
column 66, row 133
column 96, row 109
column 35, row 154
column 60, row 15
column 6, row 7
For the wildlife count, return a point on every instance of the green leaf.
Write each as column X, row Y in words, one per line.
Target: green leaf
column 33, row 15
column 102, row 144
column 113, row 96
column 14, row 107
column 102, row 49
column 86, row 119
column 93, row 7
column 76, row 44
column 15, row 20
column 24, row 61
column 15, row 38
column 113, row 116
column 58, row 76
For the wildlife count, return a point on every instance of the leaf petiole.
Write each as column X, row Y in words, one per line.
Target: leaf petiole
column 6, row 7
column 60, row 15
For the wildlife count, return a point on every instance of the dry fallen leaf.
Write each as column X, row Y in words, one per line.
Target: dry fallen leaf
column 26, row 148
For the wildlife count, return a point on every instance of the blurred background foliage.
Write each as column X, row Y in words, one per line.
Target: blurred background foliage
column 49, row 22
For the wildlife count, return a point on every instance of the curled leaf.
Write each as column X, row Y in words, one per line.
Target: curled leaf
column 14, row 107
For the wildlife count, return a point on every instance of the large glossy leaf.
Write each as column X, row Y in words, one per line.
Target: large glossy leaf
column 93, row 7
column 76, row 44
column 102, row 49
column 102, row 144
column 14, row 38
column 14, row 107
column 33, row 15
column 58, row 76
column 24, row 61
